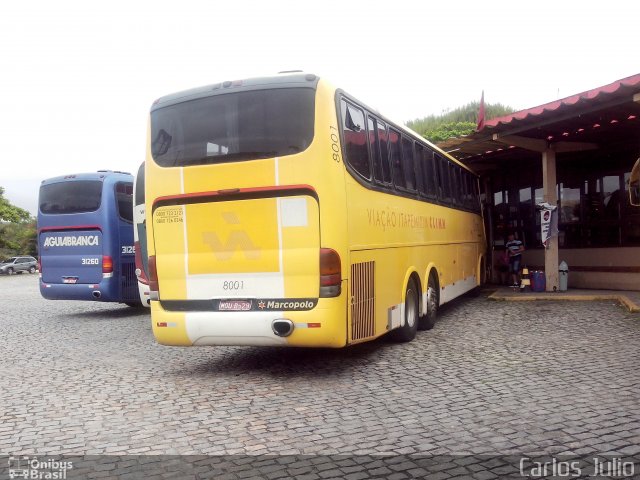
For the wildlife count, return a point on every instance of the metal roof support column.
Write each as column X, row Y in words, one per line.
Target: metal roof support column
column 550, row 195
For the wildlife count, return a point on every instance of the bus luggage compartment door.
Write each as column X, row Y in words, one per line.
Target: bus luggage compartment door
column 258, row 249
column 71, row 256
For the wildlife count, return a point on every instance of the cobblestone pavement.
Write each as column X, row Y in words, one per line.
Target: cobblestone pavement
column 491, row 378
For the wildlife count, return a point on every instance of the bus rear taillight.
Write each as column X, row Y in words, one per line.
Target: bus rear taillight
column 330, row 273
column 142, row 277
column 107, row 266
column 154, row 285
column 40, row 267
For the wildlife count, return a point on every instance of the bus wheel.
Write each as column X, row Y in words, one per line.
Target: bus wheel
column 407, row 332
column 428, row 320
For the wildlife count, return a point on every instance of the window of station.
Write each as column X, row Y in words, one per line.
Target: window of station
column 593, row 205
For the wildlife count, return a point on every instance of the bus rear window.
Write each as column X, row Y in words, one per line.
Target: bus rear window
column 233, row 127
column 78, row 196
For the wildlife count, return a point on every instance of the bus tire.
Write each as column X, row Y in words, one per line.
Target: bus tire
column 407, row 332
column 134, row 304
column 428, row 320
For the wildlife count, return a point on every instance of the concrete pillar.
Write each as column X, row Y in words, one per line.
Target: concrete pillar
column 550, row 195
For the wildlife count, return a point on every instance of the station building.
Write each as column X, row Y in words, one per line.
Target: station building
column 576, row 153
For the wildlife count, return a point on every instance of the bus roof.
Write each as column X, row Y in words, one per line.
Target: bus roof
column 99, row 175
column 283, row 80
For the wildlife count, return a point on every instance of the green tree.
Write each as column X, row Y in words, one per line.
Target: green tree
column 17, row 229
column 456, row 123
column 11, row 213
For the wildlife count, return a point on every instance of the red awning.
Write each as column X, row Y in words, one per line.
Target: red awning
column 605, row 114
column 617, row 87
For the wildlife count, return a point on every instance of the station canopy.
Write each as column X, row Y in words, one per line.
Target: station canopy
column 587, row 120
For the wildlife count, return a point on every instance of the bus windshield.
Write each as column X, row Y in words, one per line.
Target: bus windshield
column 233, row 127
column 71, row 197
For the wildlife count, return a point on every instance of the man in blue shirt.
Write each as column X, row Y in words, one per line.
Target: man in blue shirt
column 514, row 249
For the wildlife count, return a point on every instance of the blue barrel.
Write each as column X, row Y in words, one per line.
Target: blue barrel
column 538, row 281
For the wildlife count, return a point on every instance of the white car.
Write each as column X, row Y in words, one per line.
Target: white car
column 18, row 265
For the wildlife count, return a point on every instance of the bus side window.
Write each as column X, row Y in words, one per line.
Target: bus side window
column 374, row 148
column 444, row 191
column 124, row 200
column 378, row 147
column 456, row 185
column 355, row 139
column 419, row 166
column 429, row 173
column 475, row 194
column 472, row 199
column 464, row 188
column 395, row 158
column 407, row 164
column 384, row 151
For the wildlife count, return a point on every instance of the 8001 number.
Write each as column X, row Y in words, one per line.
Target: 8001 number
column 233, row 285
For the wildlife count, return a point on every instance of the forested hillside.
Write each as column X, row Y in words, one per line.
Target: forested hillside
column 457, row 122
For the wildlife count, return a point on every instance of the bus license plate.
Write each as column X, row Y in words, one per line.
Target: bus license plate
column 69, row 280
column 234, row 305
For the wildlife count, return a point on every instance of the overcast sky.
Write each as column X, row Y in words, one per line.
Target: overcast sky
column 77, row 77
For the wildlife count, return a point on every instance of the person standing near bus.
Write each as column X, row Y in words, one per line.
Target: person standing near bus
column 514, row 248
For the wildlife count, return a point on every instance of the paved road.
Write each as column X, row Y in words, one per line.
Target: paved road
column 491, row 378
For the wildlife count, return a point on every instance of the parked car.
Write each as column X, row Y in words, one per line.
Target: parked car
column 18, row 264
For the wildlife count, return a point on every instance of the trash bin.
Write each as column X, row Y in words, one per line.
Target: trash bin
column 563, row 276
column 538, row 281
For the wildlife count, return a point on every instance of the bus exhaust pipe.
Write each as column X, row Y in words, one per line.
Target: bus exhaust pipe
column 282, row 327
column 96, row 294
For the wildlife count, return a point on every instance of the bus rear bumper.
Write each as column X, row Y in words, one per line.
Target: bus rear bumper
column 322, row 326
column 100, row 292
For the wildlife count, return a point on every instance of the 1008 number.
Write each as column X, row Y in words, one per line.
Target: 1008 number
column 334, row 144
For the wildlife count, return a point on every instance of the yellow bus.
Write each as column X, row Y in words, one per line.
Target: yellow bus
column 283, row 211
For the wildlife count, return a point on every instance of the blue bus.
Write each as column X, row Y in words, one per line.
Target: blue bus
column 85, row 238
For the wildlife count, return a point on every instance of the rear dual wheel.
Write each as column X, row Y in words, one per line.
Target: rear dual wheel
column 407, row 331
column 428, row 320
